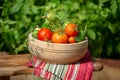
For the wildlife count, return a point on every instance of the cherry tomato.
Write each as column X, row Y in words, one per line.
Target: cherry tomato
column 71, row 40
column 59, row 38
column 44, row 34
column 71, row 29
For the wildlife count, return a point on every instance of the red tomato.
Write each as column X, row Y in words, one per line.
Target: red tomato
column 72, row 40
column 44, row 34
column 59, row 38
column 71, row 29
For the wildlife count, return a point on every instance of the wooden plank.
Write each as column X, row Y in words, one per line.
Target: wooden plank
column 14, row 60
column 8, row 71
column 25, row 71
column 5, row 78
column 14, row 65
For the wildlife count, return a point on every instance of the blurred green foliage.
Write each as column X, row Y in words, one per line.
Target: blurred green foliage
column 102, row 18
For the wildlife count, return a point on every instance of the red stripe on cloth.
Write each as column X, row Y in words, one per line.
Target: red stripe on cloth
column 30, row 62
column 46, row 74
column 39, row 73
column 41, row 65
column 89, row 71
column 81, row 72
column 49, row 76
column 70, row 72
column 86, row 68
column 89, row 67
column 35, row 58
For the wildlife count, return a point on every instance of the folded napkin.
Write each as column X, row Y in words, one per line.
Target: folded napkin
column 81, row 70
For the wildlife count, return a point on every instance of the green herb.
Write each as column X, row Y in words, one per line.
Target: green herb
column 81, row 36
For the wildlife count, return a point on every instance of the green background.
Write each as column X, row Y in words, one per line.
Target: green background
column 102, row 18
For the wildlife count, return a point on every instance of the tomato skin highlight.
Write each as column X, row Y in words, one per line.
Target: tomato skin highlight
column 71, row 29
column 71, row 40
column 59, row 38
column 44, row 34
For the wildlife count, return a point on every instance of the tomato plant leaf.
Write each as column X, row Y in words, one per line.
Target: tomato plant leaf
column 25, row 8
column 16, row 7
column 113, row 6
column 91, row 34
column 118, row 47
column 103, row 1
column 34, row 9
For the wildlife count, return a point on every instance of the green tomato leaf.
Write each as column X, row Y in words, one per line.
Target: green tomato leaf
column 91, row 34
column 81, row 36
column 16, row 7
column 111, row 28
column 118, row 47
column 103, row 1
column 34, row 9
column 109, row 49
column 113, row 6
column 25, row 8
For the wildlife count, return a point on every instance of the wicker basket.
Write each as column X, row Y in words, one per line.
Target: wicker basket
column 57, row 53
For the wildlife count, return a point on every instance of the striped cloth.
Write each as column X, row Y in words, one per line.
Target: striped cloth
column 81, row 70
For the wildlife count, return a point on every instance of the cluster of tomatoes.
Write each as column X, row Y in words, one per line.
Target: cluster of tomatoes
column 67, row 36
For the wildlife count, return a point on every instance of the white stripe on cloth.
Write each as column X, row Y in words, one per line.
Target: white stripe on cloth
column 42, row 73
column 75, row 72
column 61, row 68
column 42, row 66
column 57, row 70
column 50, row 68
column 64, row 71
column 37, row 63
column 54, row 77
column 46, row 67
column 54, row 68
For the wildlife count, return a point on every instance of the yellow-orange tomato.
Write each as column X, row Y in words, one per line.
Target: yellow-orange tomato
column 59, row 38
column 71, row 40
column 71, row 29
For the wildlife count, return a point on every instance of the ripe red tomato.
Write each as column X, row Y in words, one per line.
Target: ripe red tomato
column 59, row 38
column 44, row 34
column 71, row 29
column 71, row 40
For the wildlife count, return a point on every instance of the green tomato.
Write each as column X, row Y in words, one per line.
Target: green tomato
column 51, row 16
